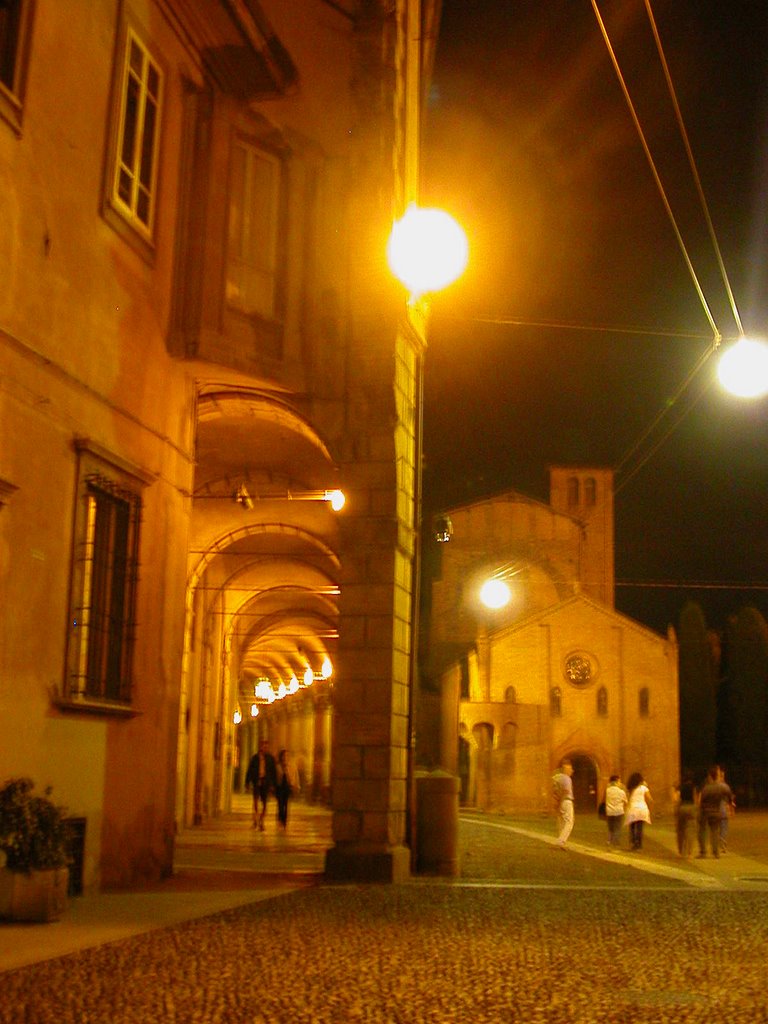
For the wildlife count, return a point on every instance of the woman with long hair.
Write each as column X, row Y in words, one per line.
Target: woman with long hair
column 638, row 809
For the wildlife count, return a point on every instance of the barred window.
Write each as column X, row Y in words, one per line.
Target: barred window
column 104, row 583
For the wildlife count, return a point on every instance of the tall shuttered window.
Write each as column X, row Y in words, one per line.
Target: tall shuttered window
column 134, row 184
column 10, row 26
column 15, row 19
column 252, row 249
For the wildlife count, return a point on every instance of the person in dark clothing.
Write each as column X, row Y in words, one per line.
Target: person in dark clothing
column 286, row 783
column 685, row 813
column 713, row 793
column 262, row 777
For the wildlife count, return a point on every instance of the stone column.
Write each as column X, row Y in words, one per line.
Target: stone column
column 376, row 451
column 371, row 693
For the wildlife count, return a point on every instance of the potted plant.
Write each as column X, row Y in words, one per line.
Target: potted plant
column 35, row 838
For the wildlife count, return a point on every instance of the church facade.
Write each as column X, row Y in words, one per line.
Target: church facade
column 545, row 667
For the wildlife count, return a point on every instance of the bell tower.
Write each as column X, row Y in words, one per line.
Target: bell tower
column 586, row 493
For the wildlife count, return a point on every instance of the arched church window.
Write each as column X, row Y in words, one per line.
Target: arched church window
column 602, row 702
column 645, row 702
column 590, row 492
column 464, row 678
column 508, row 745
column 510, row 696
column 556, row 702
column 573, row 491
column 483, row 735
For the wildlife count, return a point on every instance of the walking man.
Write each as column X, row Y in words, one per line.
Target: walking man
column 714, row 792
column 563, row 789
column 262, row 777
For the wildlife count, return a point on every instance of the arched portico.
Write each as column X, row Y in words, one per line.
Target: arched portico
column 262, row 599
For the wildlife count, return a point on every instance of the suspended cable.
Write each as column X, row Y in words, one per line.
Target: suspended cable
column 689, row 585
column 512, row 321
column 655, row 173
column 649, row 454
column 663, row 412
column 692, row 164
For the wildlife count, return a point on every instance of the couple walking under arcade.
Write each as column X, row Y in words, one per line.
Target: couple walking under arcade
column 264, row 776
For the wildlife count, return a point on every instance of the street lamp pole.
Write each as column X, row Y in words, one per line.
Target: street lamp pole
column 427, row 251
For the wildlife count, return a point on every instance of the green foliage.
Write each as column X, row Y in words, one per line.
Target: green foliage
column 697, row 675
column 34, row 834
column 747, row 687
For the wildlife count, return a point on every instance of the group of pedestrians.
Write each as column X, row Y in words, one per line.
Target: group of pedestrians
column 264, row 776
column 630, row 805
column 709, row 806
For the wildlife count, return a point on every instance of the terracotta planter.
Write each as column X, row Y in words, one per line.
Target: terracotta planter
column 38, row 896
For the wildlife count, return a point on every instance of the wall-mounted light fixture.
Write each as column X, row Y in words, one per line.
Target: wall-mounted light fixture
column 443, row 529
column 335, row 497
column 242, row 497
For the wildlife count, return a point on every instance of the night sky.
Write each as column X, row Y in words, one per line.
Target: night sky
column 531, row 145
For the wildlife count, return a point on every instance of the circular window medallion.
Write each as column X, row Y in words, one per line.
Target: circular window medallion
column 580, row 668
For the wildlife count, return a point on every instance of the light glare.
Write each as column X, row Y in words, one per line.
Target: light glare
column 427, row 249
column 495, row 594
column 336, row 499
column 743, row 369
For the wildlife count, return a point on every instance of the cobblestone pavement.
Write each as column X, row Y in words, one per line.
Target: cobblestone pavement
column 526, row 934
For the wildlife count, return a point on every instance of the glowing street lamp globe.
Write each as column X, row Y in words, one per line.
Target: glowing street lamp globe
column 495, row 594
column 743, row 369
column 427, row 249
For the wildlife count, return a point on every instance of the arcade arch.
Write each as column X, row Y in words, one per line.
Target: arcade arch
column 262, row 598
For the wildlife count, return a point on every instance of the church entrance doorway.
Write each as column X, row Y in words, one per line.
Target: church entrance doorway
column 584, row 782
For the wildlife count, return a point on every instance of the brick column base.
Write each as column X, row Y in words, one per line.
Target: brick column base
column 361, row 863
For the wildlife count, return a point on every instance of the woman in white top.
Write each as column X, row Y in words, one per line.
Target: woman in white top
column 615, row 806
column 638, row 810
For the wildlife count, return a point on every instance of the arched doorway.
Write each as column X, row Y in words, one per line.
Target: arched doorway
column 584, row 782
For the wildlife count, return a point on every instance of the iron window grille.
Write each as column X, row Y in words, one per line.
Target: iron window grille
column 105, row 620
